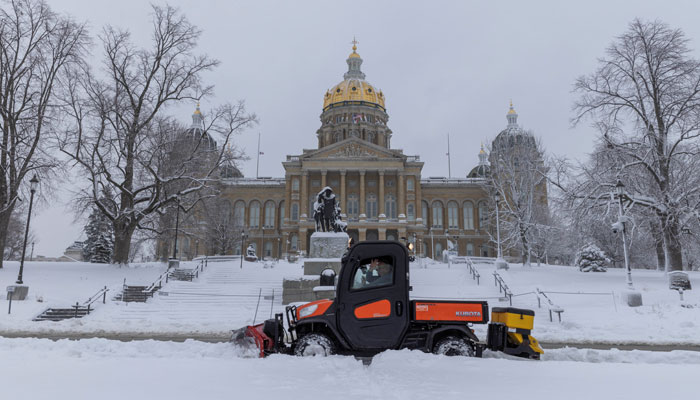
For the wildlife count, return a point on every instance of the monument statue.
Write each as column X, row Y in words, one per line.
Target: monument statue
column 327, row 212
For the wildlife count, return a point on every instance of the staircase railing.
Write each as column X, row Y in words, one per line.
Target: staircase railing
column 549, row 303
column 473, row 271
column 502, row 287
column 87, row 303
column 156, row 285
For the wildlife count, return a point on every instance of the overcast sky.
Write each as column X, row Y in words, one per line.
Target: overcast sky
column 444, row 67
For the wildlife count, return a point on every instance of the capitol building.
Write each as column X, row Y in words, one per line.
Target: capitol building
column 381, row 190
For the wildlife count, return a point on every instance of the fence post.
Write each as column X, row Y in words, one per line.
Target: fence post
column 76, row 309
column 104, row 295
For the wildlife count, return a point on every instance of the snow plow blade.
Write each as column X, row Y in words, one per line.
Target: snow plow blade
column 266, row 338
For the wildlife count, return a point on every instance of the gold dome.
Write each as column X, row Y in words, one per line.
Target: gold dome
column 353, row 90
column 511, row 111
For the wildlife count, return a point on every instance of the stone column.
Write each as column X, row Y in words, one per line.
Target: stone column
column 419, row 200
column 402, row 194
column 362, row 193
column 380, row 200
column 362, row 234
column 323, row 178
column 287, row 200
column 303, row 197
column 343, row 204
column 382, row 233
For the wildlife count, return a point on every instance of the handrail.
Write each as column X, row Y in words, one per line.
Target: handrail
column 157, row 283
column 550, row 304
column 102, row 292
column 502, row 287
column 473, row 271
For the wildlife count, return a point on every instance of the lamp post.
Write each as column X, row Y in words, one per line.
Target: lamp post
column 620, row 190
column 177, row 225
column 432, row 243
column 33, row 183
column 500, row 262
column 279, row 248
column 243, row 237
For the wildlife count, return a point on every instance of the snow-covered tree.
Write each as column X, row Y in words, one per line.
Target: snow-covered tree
column 99, row 245
column 591, row 258
column 644, row 98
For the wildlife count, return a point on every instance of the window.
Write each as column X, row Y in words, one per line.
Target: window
column 424, row 210
column 371, row 183
column 371, row 205
column 269, row 214
column 315, row 182
column 483, row 216
column 352, row 205
column 254, row 220
column 374, row 273
column 437, row 214
column 312, row 200
column 438, row 251
column 294, row 242
column 484, row 251
column 410, row 212
column 295, row 184
column 389, row 183
column 295, row 212
column 282, row 210
column 470, row 249
column 468, row 210
column 453, row 215
column 410, row 184
column 390, row 206
column 268, row 249
column 239, row 213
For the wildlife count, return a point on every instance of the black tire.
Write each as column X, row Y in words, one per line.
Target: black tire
column 314, row 344
column 454, row 346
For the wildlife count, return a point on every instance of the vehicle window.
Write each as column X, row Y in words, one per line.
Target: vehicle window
column 373, row 273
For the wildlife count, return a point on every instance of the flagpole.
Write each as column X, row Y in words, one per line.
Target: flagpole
column 449, row 161
column 257, row 163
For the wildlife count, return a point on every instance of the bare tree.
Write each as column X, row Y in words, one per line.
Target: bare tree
column 121, row 136
column 518, row 176
column 645, row 99
column 36, row 47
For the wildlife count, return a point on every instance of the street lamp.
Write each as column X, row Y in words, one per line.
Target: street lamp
column 432, row 243
column 33, row 184
column 500, row 262
column 243, row 237
column 620, row 189
column 177, row 225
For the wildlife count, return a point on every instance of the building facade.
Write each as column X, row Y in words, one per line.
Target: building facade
column 382, row 192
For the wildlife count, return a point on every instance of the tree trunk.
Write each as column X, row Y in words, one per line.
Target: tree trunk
column 659, row 247
column 673, row 246
column 4, row 222
column 122, row 242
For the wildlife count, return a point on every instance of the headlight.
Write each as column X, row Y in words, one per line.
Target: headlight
column 306, row 311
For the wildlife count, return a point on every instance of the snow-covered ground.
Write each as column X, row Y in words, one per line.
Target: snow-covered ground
column 104, row 369
column 225, row 297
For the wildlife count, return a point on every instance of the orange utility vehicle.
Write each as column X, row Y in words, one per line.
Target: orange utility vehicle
column 372, row 313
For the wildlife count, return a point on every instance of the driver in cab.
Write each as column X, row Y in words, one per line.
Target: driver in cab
column 378, row 273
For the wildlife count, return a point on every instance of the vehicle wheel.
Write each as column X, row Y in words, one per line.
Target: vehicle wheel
column 454, row 346
column 314, row 344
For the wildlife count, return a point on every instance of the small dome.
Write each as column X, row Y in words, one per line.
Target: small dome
column 480, row 171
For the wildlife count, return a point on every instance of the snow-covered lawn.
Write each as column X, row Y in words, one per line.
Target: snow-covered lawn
column 104, row 369
column 225, row 297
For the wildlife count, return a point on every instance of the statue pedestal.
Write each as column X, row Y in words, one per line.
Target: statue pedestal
column 325, row 252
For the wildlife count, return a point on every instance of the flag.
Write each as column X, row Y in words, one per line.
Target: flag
column 356, row 117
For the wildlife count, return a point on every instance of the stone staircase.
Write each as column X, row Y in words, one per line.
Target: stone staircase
column 132, row 293
column 59, row 314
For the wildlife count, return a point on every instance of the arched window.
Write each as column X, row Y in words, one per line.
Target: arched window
column 470, row 249
column 371, row 205
column 254, row 220
column 294, row 242
column 269, row 214
column 410, row 184
column 410, row 211
column 352, row 205
column 312, row 200
column 295, row 212
column 390, row 236
column 438, row 251
column 295, row 184
column 424, row 211
column 483, row 216
column 484, row 251
column 468, row 210
column 390, row 206
column 437, row 215
column 268, row 249
column 282, row 211
column 453, row 215
column 239, row 213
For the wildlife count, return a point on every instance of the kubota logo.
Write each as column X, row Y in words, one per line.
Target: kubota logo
column 468, row 313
